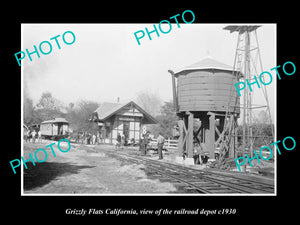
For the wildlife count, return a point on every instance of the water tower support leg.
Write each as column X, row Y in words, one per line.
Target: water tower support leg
column 182, row 131
column 190, row 135
column 211, row 137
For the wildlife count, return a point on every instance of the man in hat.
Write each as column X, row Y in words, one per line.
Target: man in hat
column 146, row 141
column 160, row 145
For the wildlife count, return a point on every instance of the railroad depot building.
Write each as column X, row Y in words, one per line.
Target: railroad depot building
column 128, row 119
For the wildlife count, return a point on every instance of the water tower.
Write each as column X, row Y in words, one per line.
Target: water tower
column 207, row 106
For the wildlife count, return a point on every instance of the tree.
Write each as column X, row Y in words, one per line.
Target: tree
column 150, row 102
column 78, row 115
column 166, row 121
column 261, row 117
column 71, row 106
column 48, row 108
column 261, row 130
column 46, row 102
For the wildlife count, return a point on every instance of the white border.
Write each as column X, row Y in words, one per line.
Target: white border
column 138, row 194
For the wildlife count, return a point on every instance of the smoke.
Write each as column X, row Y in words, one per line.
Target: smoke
column 40, row 67
column 35, row 74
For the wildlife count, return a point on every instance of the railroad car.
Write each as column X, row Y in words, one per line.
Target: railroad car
column 55, row 129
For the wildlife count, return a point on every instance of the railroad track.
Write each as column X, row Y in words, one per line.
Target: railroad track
column 191, row 180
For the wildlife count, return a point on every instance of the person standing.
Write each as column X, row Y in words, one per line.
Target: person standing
column 98, row 137
column 160, row 145
column 28, row 135
column 39, row 136
column 82, row 138
column 94, row 139
column 76, row 138
column 122, row 141
column 33, row 136
column 118, row 141
column 89, row 137
column 145, row 143
column 101, row 137
column 197, row 153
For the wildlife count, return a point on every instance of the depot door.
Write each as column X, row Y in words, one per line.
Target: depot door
column 126, row 129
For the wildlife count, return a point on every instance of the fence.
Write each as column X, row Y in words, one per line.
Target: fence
column 169, row 143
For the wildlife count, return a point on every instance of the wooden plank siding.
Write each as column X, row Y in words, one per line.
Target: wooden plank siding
column 208, row 98
column 207, row 108
column 133, row 117
column 207, row 90
column 200, row 92
column 46, row 129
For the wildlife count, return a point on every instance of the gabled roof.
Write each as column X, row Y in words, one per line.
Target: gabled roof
column 108, row 109
column 206, row 63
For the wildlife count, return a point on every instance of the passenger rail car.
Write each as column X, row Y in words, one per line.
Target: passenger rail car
column 55, row 129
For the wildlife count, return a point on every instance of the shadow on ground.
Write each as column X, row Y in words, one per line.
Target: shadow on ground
column 43, row 173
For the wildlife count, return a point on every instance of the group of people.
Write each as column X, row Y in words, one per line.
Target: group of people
column 89, row 138
column 146, row 140
column 33, row 136
column 144, row 143
column 120, row 143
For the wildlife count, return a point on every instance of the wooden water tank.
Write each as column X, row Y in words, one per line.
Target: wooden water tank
column 207, row 85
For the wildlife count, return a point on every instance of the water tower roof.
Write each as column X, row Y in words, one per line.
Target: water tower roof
column 206, row 63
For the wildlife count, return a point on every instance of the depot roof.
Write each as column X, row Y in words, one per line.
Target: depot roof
column 108, row 109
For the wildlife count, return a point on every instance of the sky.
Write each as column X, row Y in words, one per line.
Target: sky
column 105, row 61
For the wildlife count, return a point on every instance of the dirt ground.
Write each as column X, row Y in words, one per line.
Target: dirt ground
column 85, row 169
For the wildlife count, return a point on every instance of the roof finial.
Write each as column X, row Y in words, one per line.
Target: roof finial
column 208, row 54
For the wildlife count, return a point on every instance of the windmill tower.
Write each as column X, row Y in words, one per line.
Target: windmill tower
column 247, row 64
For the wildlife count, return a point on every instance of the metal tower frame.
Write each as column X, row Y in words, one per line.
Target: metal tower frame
column 247, row 64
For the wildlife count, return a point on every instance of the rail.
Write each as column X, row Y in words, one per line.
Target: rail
column 197, row 181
